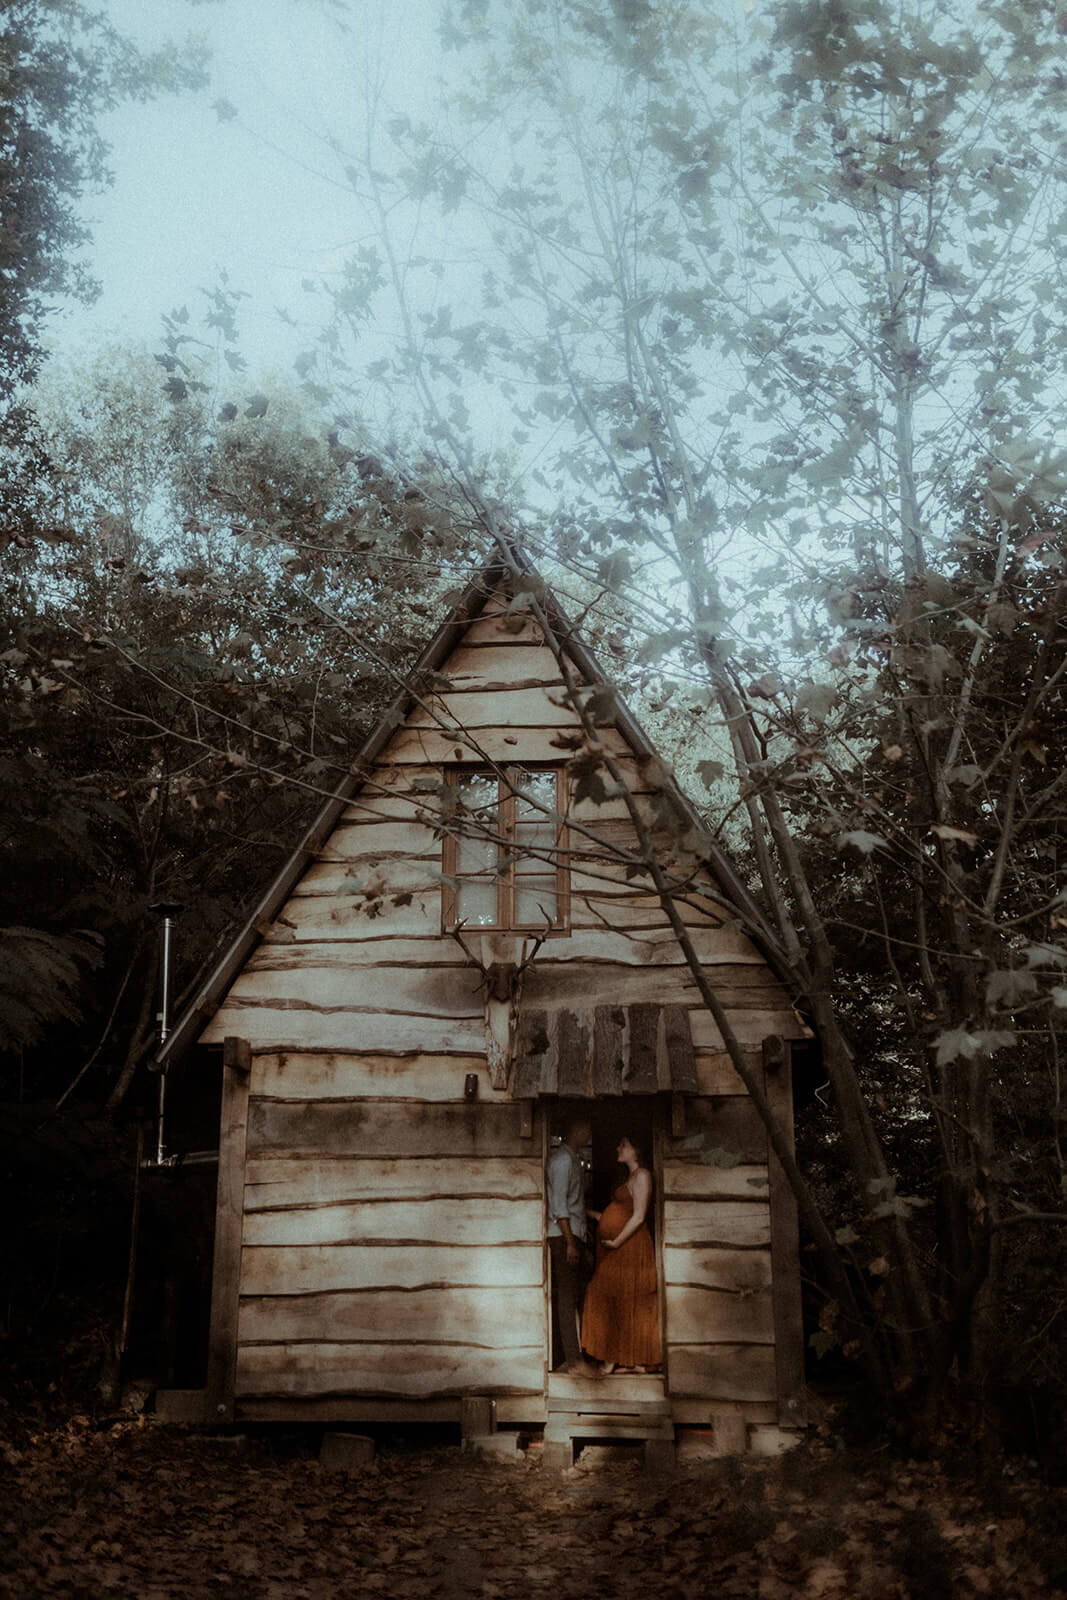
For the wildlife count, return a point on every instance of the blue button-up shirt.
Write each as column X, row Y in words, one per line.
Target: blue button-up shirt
column 565, row 1182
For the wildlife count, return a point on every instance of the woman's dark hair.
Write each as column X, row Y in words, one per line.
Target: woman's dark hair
column 639, row 1147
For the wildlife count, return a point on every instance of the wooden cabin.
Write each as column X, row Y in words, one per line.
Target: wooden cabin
column 460, row 953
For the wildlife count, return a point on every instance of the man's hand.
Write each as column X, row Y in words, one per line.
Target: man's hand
column 573, row 1256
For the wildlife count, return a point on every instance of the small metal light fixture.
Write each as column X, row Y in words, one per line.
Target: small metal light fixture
column 470, row 1086
column 167, row 911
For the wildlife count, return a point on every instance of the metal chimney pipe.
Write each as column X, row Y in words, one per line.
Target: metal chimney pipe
column 168, row 910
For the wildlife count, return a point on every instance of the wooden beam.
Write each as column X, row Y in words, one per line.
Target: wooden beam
column 229, row 1223
column 785, row 1245
column 237, row 1055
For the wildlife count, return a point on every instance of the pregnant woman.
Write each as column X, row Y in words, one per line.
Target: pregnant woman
column 620, row 1323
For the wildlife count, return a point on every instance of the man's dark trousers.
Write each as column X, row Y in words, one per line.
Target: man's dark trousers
column 568, row 1292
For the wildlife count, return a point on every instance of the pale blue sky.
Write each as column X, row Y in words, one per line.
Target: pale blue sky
column 259, row 196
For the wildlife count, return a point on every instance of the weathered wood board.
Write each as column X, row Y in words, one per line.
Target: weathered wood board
column 311, row 1269
column 473, row 1220
column 431, row 992
column 641, row 948
column 492, row 1318
column 389, row 1128
column 267, row 1028
column 388, row 1369
column 711, row 1267
column 741, row 1223
column 740, row 986
column 543, row 745
column 723, row 1371
column 503, row 667
column 383, row 841
column 473, row 708
column 693, row 1181
column 313, row 1076
column 312, row 1180
column 718, row 1316
column 730, row 1123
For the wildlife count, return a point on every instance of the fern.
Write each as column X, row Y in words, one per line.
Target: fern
column 41, row 976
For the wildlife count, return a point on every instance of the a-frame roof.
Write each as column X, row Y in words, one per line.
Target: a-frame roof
column 508, row 563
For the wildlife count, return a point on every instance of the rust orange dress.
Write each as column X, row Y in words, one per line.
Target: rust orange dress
column 620, row 1319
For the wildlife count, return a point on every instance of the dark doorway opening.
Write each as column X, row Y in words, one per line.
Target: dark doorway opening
column 632, row 1115
column 611, row 1119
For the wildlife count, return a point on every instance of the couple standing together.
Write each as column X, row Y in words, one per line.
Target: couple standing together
column 619, row 1318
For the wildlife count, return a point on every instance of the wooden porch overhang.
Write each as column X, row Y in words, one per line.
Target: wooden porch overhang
column 603, row 1050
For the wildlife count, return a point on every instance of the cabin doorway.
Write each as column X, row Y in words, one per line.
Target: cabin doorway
column 610, row 1119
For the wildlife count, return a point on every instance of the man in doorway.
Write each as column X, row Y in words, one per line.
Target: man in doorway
column 565, row 1184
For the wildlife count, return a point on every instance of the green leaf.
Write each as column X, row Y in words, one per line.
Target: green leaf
column 956, row 1042
column 710, row 772
column 859, row 839
column 817, row 699
column 718, row 1157
column 1009, row 987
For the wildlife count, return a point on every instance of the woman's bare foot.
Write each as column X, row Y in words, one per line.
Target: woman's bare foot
column 607, row 1368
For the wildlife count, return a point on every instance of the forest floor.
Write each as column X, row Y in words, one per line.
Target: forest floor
column 97, row 1507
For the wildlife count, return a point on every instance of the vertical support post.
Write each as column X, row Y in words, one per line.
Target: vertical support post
column 785, row 1244
column 229, row 1224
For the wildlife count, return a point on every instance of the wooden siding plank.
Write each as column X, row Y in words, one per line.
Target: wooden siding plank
column 356, row 916
column 311, row 1075
column 639, row 1073
column 745, row 1223
column 229, row 1224
column 355, row 1031
column 716, row 1074
column 494, row 1318
column 370, row 879
column 532, row 1044
column 750, row 1027
column 432, row 992
column 517, row 708
column 337, row 1408
column 740, row 986
column 326, row 1127
column 272, row 1183
column 473, row 1220
column 419, row 1371
column 678, row 1043
column 545, row 746
column 723, row 1371
column 444, row 991
column 713, row 1268
column 502, row 667
column 311, row 1269
column 785, row 1245
column 695, row 1181
column 371, row 943
column 640, row 910
column 573, row 1046
column 729, row 1123
column 609, row 1049
column 718, row 1316
column 495, row 629
column 382, row 840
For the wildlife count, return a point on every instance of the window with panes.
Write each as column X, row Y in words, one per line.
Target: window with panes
column 503, row 861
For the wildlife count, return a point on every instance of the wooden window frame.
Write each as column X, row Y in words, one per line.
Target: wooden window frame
column 458, row 775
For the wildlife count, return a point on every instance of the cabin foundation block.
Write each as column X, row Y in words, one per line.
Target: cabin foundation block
column 731, row 1433
column 477, row 1417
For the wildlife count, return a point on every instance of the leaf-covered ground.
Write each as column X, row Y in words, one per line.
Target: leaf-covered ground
column 135, row 1508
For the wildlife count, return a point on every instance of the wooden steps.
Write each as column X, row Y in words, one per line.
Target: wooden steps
column 630, row 1406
